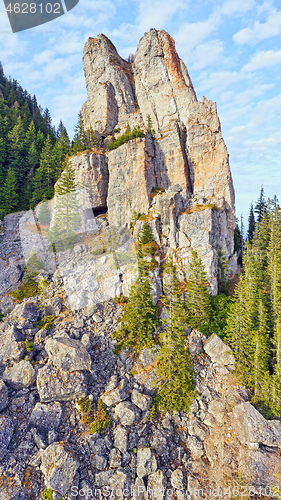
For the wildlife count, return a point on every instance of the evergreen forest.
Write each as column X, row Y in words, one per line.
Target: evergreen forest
column 32, row 152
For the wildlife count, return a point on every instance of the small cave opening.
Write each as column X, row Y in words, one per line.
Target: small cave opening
column 91, row 213
column 100, row 211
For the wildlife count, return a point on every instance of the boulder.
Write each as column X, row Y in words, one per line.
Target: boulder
column 20, row 375
column 120, row 438
column 156, row 486
column 98, row 462
column 68, row 354
column 120, row 393
column 219, row 353
column 115, row 459
column 125, row 413
column 27, row 310
column 59, row 467
column 177, row 479
column 58, row 385
column 252, row 427
column 139, row 490
column 4, row 399
column 141, row 400
column 146, row 462
column 11, row 348
column 45, row 420
column 117, row 481
column 6, row 432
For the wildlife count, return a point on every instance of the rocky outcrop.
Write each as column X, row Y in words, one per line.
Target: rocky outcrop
column 222, row 443
column 131, row 179
column 188, row 149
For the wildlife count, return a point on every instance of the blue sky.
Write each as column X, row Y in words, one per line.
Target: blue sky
column 232, row 49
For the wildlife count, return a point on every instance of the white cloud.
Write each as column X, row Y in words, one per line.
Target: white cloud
column 263, row 59
column 190, row 35
column 157, row 13
column 218, row 80
column 207, row 54
column 238, row 6
column 260, row 31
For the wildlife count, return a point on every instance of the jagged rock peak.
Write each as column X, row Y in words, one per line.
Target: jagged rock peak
column 156, row 84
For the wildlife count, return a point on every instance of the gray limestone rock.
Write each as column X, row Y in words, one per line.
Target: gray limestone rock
column 11, row 348
column 120, row 393
column 177, row 479
column 139, row 490
column 27, row 310
column 4, row 400
column 58, row 385
column 125, row 413
column 141, row 400
column 98, row 461
column 117, row 481
column 120, row 438
column 219, row 353
column 146, row 462
column 45, row 419
column 115, row 459
column 252, row 427
column 156, row 486
column 21, row 375
column 159, row 443
column 6, row 432
column 68, row 354
column 59, row 467
column 195, row 446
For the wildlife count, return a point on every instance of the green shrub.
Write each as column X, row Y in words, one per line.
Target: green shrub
column 48, row 494
column 25, row 291
column 121, row 300
column 220, row 308
column 128, row 136
column 46, row 322
column 86, row 408
column 101, row 419
column 28, row 345
column 135, row 218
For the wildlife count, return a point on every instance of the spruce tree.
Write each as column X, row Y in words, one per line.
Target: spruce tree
column 223, row 272
column 10, row 196
column 67, row 217
column 139, row 321
column 260, row 205
column 251, row 226
column 46, row 167
column 197, row 298
column 79, row 141
column 175, row 382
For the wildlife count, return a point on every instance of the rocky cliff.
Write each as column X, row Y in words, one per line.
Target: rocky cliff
column 187, row 151
column 179, row 179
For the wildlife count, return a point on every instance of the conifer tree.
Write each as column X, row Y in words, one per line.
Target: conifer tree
column 67, row 217
column 175, row 382
column 223, row 272
column 46, row 166
column 251, row 226
column 274, row 272
column 197, row 298
column 260, row 205
column 44, row 216
column 139, row 321
column 79, row 141
column 16, row 152
column 10, row 195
